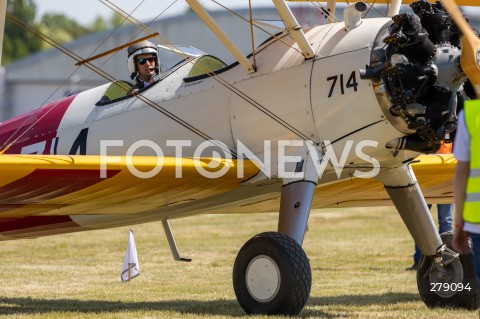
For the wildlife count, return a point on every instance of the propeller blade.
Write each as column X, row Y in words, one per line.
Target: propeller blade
column 470, row 57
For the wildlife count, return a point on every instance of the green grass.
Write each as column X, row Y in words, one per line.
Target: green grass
column 358, row 257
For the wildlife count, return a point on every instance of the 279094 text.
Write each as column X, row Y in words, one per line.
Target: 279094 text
column 438, row 286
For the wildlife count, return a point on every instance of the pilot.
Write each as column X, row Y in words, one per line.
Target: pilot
column 143, row 64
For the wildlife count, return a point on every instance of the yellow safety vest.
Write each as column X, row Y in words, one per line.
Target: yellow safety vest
column 471, row 209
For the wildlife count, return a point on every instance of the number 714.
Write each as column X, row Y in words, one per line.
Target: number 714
column 351, row 83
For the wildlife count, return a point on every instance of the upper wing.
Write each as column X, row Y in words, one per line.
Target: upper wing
column 459, row 2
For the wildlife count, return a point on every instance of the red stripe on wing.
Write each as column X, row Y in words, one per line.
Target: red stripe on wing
column 45, row 184
column 39, row 186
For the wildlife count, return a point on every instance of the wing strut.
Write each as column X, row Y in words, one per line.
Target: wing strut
column 221, row 35
column 3, row 13
column 394, row 8
column 171, row 242
column 331, row 10
column 294, row 28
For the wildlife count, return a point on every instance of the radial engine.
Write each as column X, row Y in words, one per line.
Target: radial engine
column 415, row 68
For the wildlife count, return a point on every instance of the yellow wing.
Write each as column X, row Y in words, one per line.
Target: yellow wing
column 73, row 185
column 434, row 174
column 459, row 2
column 44, row 195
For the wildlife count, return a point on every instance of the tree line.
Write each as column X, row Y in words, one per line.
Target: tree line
column 19, row 43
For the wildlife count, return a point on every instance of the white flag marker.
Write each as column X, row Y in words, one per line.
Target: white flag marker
column 130, row 268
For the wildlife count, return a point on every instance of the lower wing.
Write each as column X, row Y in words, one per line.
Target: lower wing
column 44, row 195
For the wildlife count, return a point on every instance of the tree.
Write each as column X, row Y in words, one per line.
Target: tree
column 99, row 24
column 17, row 42
column 63, row 29
column 116, row 20
column 60, row 28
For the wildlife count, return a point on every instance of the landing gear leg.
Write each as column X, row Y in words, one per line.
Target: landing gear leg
column 444, row 278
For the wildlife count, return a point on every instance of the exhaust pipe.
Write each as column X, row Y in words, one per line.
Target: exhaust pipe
column 412, row 144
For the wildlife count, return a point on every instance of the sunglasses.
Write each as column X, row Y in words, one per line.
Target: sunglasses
column 142, row 61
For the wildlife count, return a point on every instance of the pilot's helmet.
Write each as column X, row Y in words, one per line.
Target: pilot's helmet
column 141, row 48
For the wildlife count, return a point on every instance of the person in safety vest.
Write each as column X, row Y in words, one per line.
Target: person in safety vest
column 466, row 182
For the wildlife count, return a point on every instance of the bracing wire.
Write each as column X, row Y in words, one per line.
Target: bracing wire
column 103, row 74
column 257, row 26
column 144, row 28
column 251, row 34
column 217, row 77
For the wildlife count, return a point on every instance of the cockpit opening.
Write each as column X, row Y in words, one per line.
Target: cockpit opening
column 171, row 59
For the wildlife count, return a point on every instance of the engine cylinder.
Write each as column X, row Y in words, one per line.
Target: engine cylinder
column 419, row 75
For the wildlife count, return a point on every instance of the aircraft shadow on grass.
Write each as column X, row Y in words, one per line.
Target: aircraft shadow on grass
column 25, row 305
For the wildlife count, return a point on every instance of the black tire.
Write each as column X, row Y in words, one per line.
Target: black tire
column 462, row 271
column 284, row 262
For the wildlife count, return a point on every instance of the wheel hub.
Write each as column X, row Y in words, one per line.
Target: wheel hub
column 263, row 278
column 445, row 281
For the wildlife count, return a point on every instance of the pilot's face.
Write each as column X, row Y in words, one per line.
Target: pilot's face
column 146, row 66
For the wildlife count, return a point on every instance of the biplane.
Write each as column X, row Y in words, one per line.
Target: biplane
column 339, row 115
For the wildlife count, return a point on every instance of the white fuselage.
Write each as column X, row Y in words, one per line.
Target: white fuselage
column 322, row 99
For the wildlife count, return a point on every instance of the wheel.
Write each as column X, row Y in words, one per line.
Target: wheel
column 272, row 275
column 456, row 286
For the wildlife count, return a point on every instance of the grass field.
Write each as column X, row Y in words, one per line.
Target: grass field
column 358, row 257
